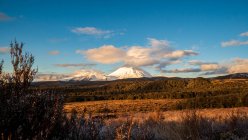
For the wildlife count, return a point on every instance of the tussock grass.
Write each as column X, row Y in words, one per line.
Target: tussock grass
column 122, row 106
column 191, row 125
column 205, row 124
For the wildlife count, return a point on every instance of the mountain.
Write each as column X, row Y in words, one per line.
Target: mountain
column 233, row 76
column 93, row 75
column 128, row 72
column 86, row 75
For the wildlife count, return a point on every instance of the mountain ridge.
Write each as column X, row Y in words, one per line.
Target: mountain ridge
column 119, row 74
column 233, row 76
column 94, row 75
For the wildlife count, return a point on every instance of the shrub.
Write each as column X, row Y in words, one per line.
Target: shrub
column 25, row 114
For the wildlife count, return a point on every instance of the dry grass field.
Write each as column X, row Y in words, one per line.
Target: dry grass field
column 121, row 106
column 216, row 114
column 141, row 110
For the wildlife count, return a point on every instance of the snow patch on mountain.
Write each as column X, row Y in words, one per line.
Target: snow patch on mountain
column 94, row 75
column 86, row 75
column 129, row 72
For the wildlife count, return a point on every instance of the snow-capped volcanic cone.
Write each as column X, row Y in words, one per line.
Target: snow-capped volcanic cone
column 86, row 75
column 94, row 75
column 129, row 72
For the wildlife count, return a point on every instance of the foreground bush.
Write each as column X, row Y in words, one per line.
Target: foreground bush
column 190, row 126
column 25, row 114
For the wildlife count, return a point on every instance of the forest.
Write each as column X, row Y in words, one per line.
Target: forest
column 195, row 92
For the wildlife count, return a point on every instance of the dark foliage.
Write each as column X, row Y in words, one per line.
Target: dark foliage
column 25, row 114
column 197, row 93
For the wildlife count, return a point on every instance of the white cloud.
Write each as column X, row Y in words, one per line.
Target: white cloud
column 182, row 70
column 50, row 77
column 91, row 31
column 157, row 53
column 204, row 66
column 166, row 63
column 234, row 43
column 74, row 65
column 139, row 56
column 4, row 50
column 55, row 52
column 158, row 43
column 107, row 54
column 198, row 62
column 201, row 68
column 209, row 67
column 180, row 53
column 238, row 65
column 244, row 34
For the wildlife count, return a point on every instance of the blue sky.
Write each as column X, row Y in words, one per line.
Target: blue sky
column 197, row 37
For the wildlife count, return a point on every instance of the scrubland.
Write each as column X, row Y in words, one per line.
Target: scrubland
column 121, row 106
column 143, row 109
column 187, row 124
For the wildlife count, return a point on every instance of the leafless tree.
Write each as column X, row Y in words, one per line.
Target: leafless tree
column 23, row 74
column 1, row 69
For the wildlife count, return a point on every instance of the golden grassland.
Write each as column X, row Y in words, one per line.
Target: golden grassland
column 121, row 106
column 140, row 110
column 217, row 114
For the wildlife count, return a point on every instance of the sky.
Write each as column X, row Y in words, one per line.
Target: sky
column 164, row 37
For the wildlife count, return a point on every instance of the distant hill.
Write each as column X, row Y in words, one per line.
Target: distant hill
column 233, row 76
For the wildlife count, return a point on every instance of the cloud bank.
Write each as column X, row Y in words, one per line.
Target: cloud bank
column 50, row 77
column 182, row 70
column 158, row 53
column 93, row 31
column 244, row 34
column 107, row 54
column 82, row 65
column 198, row 66
column 234, row 43
column 237, row 65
